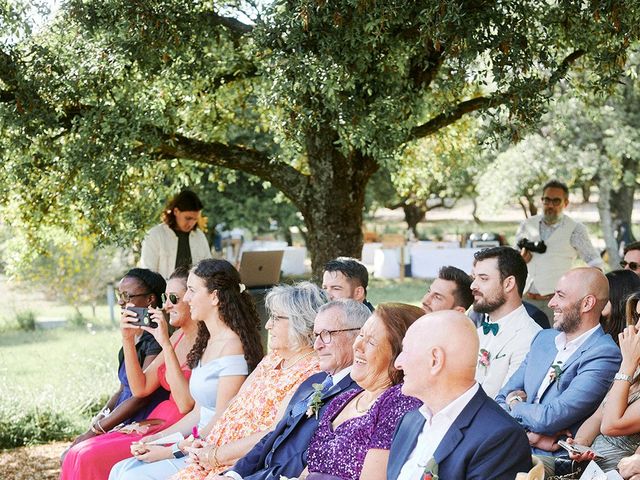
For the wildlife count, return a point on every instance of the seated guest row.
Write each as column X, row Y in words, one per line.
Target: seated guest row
column 285, row 419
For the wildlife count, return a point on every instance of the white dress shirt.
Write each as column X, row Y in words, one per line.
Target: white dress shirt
column 434, row 430
column 565, row 350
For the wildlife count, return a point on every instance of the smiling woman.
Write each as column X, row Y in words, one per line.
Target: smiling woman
column 354, row 434
column 263, row 398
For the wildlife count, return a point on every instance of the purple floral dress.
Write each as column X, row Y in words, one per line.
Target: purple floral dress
column 341, row 452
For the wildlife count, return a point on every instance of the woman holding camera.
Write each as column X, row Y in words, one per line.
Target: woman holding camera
column 140, row 288
column 227, row 347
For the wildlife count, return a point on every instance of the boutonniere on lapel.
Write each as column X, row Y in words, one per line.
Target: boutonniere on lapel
column 315, row 402
column 555, row 372
column 430, row 470
column 484, row 357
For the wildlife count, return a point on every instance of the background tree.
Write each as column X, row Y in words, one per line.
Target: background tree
column 239, row 200
column 310, row 96
column 583, row 140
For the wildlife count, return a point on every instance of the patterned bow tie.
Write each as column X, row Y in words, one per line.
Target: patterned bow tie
column 490, row 327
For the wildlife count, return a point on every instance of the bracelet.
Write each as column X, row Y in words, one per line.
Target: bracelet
column 212, row 458
column 98, row 431
column 100, row 426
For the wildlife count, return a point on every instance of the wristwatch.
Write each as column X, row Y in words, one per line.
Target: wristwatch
column 623, row 376
column 177, row 453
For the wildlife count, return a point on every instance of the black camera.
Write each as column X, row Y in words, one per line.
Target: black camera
column 144, row 320
column 537, row 247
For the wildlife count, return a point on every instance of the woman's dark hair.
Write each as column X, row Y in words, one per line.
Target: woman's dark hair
column 397, row 318
column 622, row 283
column 237, row 311
column 185, row 201
column 152, row 281
column 181, row 272
column 632, row 305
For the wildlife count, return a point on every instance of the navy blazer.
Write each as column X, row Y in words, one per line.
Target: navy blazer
column 567, row 402
column 284, row 450
column 483, row 443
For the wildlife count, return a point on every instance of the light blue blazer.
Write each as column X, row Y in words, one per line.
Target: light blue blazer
column 567, row 402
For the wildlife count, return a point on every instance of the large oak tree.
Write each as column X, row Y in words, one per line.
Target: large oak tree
column 116, row 100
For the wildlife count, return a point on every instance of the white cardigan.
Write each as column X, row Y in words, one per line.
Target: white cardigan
column 160, row 247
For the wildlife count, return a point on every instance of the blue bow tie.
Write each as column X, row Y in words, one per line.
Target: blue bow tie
column 490, row 327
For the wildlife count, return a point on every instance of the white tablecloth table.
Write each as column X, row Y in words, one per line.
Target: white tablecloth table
column 425, row 263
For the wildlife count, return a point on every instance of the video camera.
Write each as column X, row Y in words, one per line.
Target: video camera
column 537, row 247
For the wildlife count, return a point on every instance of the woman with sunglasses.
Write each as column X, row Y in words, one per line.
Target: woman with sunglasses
column 226, row 349
column 170, row 371
column 140, row 288
column 622, row 283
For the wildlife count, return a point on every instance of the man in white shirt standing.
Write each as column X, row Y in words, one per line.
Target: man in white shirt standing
column 564, row 239
column 569, row 368
column 459, row 432
column 499, row 275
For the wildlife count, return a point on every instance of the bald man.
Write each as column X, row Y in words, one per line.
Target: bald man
column 459, row 432
column 569, row 368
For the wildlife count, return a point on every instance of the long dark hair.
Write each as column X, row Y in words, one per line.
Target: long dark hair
column 237, row 311
column 185, row 201
column 622, row 283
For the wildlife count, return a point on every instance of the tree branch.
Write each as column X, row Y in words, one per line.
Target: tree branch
column 281, row 175
column 481, row 103
column 235, row 26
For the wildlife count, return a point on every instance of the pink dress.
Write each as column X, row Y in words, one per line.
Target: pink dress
column 93, row 458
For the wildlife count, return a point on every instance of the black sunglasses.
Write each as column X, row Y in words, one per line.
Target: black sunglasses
column 632, row 265
column 172, row 297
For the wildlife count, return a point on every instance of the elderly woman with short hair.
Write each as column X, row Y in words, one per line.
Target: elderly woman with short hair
column 263, row 398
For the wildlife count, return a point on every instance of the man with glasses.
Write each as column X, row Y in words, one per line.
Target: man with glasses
column 564, row 239
column 283, row 451
column 631, row 259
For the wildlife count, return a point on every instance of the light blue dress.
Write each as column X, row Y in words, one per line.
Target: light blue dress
column 203, row 386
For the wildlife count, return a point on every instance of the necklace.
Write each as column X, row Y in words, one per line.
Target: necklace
column 366, row 409
column 295, row 360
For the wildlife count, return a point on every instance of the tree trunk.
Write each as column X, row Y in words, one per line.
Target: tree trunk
column 604, row 209
column 622, row 204
column 414, row 214
column 333, row 200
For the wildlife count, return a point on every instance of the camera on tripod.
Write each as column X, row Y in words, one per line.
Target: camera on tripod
column 537, row 247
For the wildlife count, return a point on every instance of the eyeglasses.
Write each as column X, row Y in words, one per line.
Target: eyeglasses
column 126, row 297
column 325, row 335
column 553, row 201
column 632, row 265
column 172, row 297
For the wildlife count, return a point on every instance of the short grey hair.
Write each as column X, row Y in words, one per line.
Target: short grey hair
column 354, row 313
column 300, row 303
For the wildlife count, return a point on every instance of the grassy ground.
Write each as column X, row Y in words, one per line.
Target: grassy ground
column 52, row 381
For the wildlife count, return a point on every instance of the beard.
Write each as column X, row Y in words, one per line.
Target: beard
column 570, row 319
column 550, row 216
column 488, row 305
